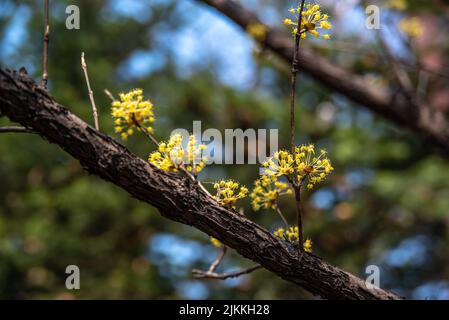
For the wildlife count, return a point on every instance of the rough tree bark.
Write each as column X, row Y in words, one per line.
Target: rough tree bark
column 409, row 113
column 175, row 197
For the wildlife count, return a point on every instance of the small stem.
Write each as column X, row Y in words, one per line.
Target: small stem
column 145, row 132
column 44, row 80
column 90, row 92
column 109, row 94
column 299, row 213
column 15, row 130
column 219, row 259
column 199, row 274
column 282, row 216
column 293, row 79
column 183, row 169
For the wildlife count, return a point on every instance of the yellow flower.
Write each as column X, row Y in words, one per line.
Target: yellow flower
column 288, row 22
column 266, row 192
column 228, row 192
column 412, row 27
column 312, row 20
column 291, row 234
column 309, row 167
column 281, row 164
column 171, row 155
column 257, row 30
column 132, row 111
column 308, row 245
column 301, row 167
column 215, row 242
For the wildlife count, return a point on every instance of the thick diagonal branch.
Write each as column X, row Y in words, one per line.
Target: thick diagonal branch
column 413, row 115
column 175, row 197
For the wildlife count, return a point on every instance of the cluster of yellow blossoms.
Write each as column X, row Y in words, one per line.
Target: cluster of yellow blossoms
column 266, row 192
column 171, row 155
column 312, row 20
column 292, row 235
column 132, row 112
column 302, row 166
column 228, row 192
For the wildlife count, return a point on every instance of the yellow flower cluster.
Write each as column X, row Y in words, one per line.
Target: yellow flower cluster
column 257, row 30
column 131, row 112
column 171, row 155
column 400, row 5
column 315, row 169
column 266, row 191
column 302, row 166
column 312, row 20
column 292, row 235
column 215, row 242
column 228, row 192
column 282, row 164
column 412, row 27
column 308, row 245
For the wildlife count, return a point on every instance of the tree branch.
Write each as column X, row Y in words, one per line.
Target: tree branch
column 175, row 197
column 411, row 114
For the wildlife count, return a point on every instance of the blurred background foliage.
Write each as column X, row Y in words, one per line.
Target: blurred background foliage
column 386, row 204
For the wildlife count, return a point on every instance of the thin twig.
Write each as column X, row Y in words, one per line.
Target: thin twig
column 299, row 212
column 295, row 62
column 214, row 265
column 90, row 92
column 15, row 130
column 109, row 94
column 200, row 274
column 44, row 80
column 293, row 79
column 278, row 210
column 145, row 132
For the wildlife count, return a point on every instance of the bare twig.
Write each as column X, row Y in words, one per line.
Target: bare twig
column 15, row 130
column 90, row 92
column 109, row 94
column 219, row 259
column 146, row 133
column 295, row 63
column 299, row 212
column 199, row 274
column 44, row 80
column 278, row 210
column 211, row 274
